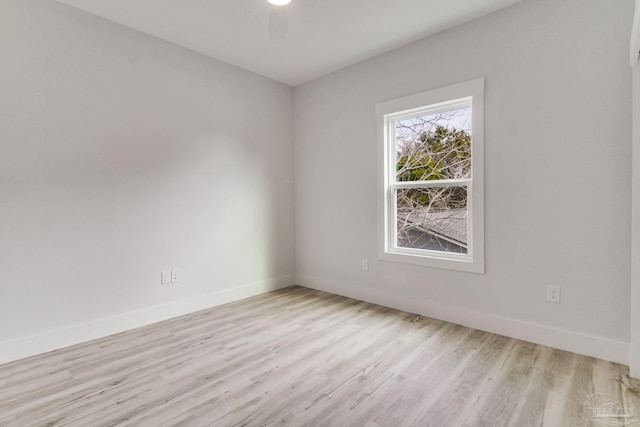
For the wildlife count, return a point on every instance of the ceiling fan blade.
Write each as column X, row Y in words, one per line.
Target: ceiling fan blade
column 278, row 24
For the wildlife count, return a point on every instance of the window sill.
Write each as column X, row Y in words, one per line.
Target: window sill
column 465, row 264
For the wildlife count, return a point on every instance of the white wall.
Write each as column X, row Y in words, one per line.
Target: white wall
column 558, row 174
column 634, row 356
column 122, row 155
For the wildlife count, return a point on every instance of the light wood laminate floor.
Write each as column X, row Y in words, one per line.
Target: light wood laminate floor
column 302, row 357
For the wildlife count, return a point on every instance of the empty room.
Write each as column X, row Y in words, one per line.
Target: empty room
column 320, row 213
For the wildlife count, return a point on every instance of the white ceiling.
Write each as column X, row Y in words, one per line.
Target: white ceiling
column 323, row 35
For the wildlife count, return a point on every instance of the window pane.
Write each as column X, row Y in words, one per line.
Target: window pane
column 432, row 219
column 435, row 146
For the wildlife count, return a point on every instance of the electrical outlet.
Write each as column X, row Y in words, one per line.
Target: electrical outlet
column 175, row 275
column 165, row 277
column 365, row 264
column 553, row 294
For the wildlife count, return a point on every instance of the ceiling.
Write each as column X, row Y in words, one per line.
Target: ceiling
column 323, row 35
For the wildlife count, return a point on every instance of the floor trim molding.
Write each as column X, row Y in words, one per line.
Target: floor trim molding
column 576, row 342
column 76, row 334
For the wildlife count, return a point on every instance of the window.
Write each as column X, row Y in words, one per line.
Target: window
column 431, row 174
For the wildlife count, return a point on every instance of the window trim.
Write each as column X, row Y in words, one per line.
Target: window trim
column 446, row 98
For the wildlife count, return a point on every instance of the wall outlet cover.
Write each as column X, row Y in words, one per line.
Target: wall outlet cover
column 175, row 275
column 165, row 277
column 553, row 294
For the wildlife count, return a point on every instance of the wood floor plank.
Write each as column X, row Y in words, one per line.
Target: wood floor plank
column 502, row 403
column 299, row 357
column 463, row 391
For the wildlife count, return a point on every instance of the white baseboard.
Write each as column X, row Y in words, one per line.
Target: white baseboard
column 602, row 348
column 60, row 338
column 589, row 345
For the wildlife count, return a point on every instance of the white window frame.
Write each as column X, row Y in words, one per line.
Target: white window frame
column 441, row 99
